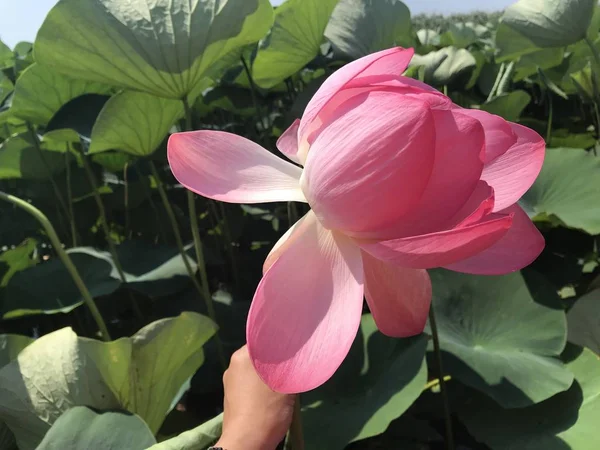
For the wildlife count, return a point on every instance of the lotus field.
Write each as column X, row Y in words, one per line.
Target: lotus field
column 399, row 215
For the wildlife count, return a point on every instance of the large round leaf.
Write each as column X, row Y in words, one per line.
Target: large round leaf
column 60, row 370
column 163, row 47
column 83, row 428
column 380, row 378
column 360, row 27
column 76, row 118
column 550, row 23
column 568, row 420
column 54, row 290
column 497, row 339
column 568, row 187
column 444, row 66
column 583, row 320
column 40, row 92
column 295, row 40
column 134, row 122
column 19, row 158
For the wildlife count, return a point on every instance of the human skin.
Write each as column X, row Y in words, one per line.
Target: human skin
column 255, row 417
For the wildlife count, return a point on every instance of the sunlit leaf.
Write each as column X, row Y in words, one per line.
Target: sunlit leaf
column 360, row 27
column 163, row 47
column 294, row 40
column 568, row 187
column 135, row 374
column 498, row 339
column 10, row 347
column 83, row 428
column 198, row 438
column 510, row 106
column 40, row 92
column 134, row 122
column 550, row 23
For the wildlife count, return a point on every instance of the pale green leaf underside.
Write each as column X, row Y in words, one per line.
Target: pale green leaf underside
column 162, row 47
column 198, row 438
column 134, row 122
column 83, row 428
column 550, row 23
column 40, row 92
column 360, row 27
column 294, row 41
column 60, row 370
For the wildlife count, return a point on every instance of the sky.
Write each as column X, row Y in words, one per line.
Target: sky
column 20, row 19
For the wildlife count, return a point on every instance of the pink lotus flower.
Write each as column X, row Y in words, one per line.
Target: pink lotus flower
column 399, row 180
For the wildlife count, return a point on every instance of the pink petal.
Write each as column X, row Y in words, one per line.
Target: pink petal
column 512, row 173
column 479, row 205
column 398, row 297
column 371, row 164
column 517, row 249
column 456, row 171
column 288, row 142
column 283, row 243
column 442, row 248
column 499, row 135
column 230, row 168
column 306, row 310
column 410, row 87
column 391, row 62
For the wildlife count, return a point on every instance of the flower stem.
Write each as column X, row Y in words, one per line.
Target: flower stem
column 109, row 240
column 594, row 50
column 179, row 242
column 438, row 356
column 64, row 257
column 204, row 289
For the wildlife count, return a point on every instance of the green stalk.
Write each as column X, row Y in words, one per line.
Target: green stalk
column 64, row 257
column 70, row 199
column 496, row 82
column 550, row 118
column 229, row 241
column 57, row 194
column 104, row 225
column 203, row 291
column 438, row 356
column 254, row 95
column 152, row 204
column 594, row 50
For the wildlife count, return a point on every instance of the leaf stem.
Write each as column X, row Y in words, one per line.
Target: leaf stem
column 64, row 257
column 438, row 356
column 204, row 293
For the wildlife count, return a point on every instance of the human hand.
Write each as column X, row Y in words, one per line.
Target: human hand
column 255, row 417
